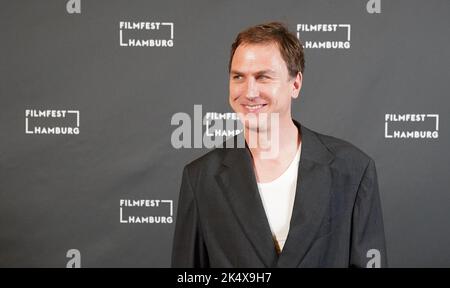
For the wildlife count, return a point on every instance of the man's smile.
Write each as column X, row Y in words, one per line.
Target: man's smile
column 254, row 107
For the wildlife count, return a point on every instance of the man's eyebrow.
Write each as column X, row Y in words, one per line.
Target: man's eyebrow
column 268, row 71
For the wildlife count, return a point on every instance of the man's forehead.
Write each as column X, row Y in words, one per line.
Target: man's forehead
column 257, row 47
column 257, row 58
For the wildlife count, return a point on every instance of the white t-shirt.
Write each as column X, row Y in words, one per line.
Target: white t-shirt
column 278, row 200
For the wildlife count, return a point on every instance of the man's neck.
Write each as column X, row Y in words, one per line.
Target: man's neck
column 288, row 141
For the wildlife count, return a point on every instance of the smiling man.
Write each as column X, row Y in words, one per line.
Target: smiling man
column 313, row 203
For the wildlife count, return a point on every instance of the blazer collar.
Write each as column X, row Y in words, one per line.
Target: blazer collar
column 238, row 182
column 312, row 149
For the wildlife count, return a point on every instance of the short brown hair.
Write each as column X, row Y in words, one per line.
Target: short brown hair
column 274, row 32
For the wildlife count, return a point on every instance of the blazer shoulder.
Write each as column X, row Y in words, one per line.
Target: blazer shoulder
column 209, row 161
column 345, row 151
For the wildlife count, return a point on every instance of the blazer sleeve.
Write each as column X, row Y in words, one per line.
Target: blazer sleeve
column 188, row 249
column 368, row 247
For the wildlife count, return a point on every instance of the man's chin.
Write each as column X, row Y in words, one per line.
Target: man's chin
column 255, row 122
column 256, row 127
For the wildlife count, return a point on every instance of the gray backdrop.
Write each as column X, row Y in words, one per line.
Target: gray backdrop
column 63, row 191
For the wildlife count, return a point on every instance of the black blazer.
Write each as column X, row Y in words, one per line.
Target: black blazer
column 336, row 219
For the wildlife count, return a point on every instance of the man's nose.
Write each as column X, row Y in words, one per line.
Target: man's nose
column 252, row 89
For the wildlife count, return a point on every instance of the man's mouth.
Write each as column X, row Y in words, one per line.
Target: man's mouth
column 254, row 107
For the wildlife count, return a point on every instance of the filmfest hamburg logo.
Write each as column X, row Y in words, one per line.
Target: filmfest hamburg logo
column 137, row 211
column 52, row 122
column 146, row 34
column 210, row 129
column 415, row 126
column 325, row 36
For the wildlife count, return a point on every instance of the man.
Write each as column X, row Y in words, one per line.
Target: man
column 313, row 203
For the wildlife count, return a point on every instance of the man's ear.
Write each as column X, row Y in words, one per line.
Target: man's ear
column 297, row 85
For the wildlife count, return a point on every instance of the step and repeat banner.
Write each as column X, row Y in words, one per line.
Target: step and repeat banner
column 102, row 104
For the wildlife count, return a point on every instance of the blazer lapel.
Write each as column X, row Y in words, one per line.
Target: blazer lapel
column 238, row 183
column 311, row 200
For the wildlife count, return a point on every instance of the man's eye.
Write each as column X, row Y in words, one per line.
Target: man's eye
column 263, row 77
column 237, row 77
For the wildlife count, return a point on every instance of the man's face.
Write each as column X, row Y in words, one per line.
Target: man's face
column 260, row 83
